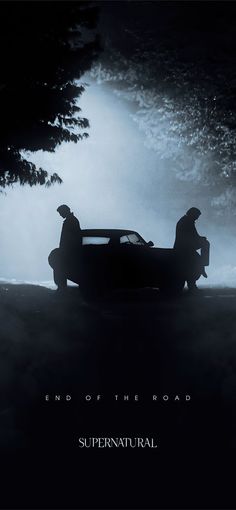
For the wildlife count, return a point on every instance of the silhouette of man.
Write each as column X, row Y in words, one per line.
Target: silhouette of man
column 70, row 239
column 187, row 242
column 65, row 259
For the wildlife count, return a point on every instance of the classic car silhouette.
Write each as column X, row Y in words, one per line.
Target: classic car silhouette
column 115, row 258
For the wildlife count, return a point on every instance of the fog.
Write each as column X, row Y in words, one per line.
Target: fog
column 110, row 180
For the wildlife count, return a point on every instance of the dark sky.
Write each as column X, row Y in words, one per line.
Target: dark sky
column 199, row 33
column 179, row 22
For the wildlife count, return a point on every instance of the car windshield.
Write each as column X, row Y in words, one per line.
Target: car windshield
column 132, row 239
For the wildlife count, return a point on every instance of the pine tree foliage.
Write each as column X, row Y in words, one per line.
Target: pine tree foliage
column 46, row 48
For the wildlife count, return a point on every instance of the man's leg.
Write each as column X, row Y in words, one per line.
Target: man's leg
column 55, row 260
column 60, row 278
column 194, row 271
column 205, row 255
column 205, row 252
column 192, row 287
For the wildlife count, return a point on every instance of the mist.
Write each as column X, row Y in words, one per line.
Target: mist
column 110, row 180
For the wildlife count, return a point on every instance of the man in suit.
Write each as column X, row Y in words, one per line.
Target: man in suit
column 71, row 232
column 65, row 260
column 187, row 242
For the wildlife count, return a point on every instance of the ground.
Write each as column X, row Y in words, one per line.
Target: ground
column 130, row 343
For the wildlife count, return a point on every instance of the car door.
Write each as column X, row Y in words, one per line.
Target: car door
column 131, row 262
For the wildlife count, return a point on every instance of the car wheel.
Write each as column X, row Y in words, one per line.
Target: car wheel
column 173, row 288
column 178, row 286
column 88, row 291
column 95, row 290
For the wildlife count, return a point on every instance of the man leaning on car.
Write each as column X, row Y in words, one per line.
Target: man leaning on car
column 69, row 251
column 187, row 242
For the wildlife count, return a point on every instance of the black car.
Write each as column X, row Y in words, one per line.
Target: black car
column 114, row 258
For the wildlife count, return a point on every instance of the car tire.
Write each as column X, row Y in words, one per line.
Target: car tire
column 93, row 291
column 172, row 288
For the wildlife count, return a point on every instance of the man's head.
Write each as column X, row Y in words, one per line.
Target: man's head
column 193, row 213
column 63, row 210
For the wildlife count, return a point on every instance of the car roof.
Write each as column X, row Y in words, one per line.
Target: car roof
column 107, row 232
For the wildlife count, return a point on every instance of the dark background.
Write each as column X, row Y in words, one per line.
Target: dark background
column 132, row 342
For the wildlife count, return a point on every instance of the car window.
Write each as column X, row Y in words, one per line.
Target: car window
column 95, row 240
column 131, row 239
